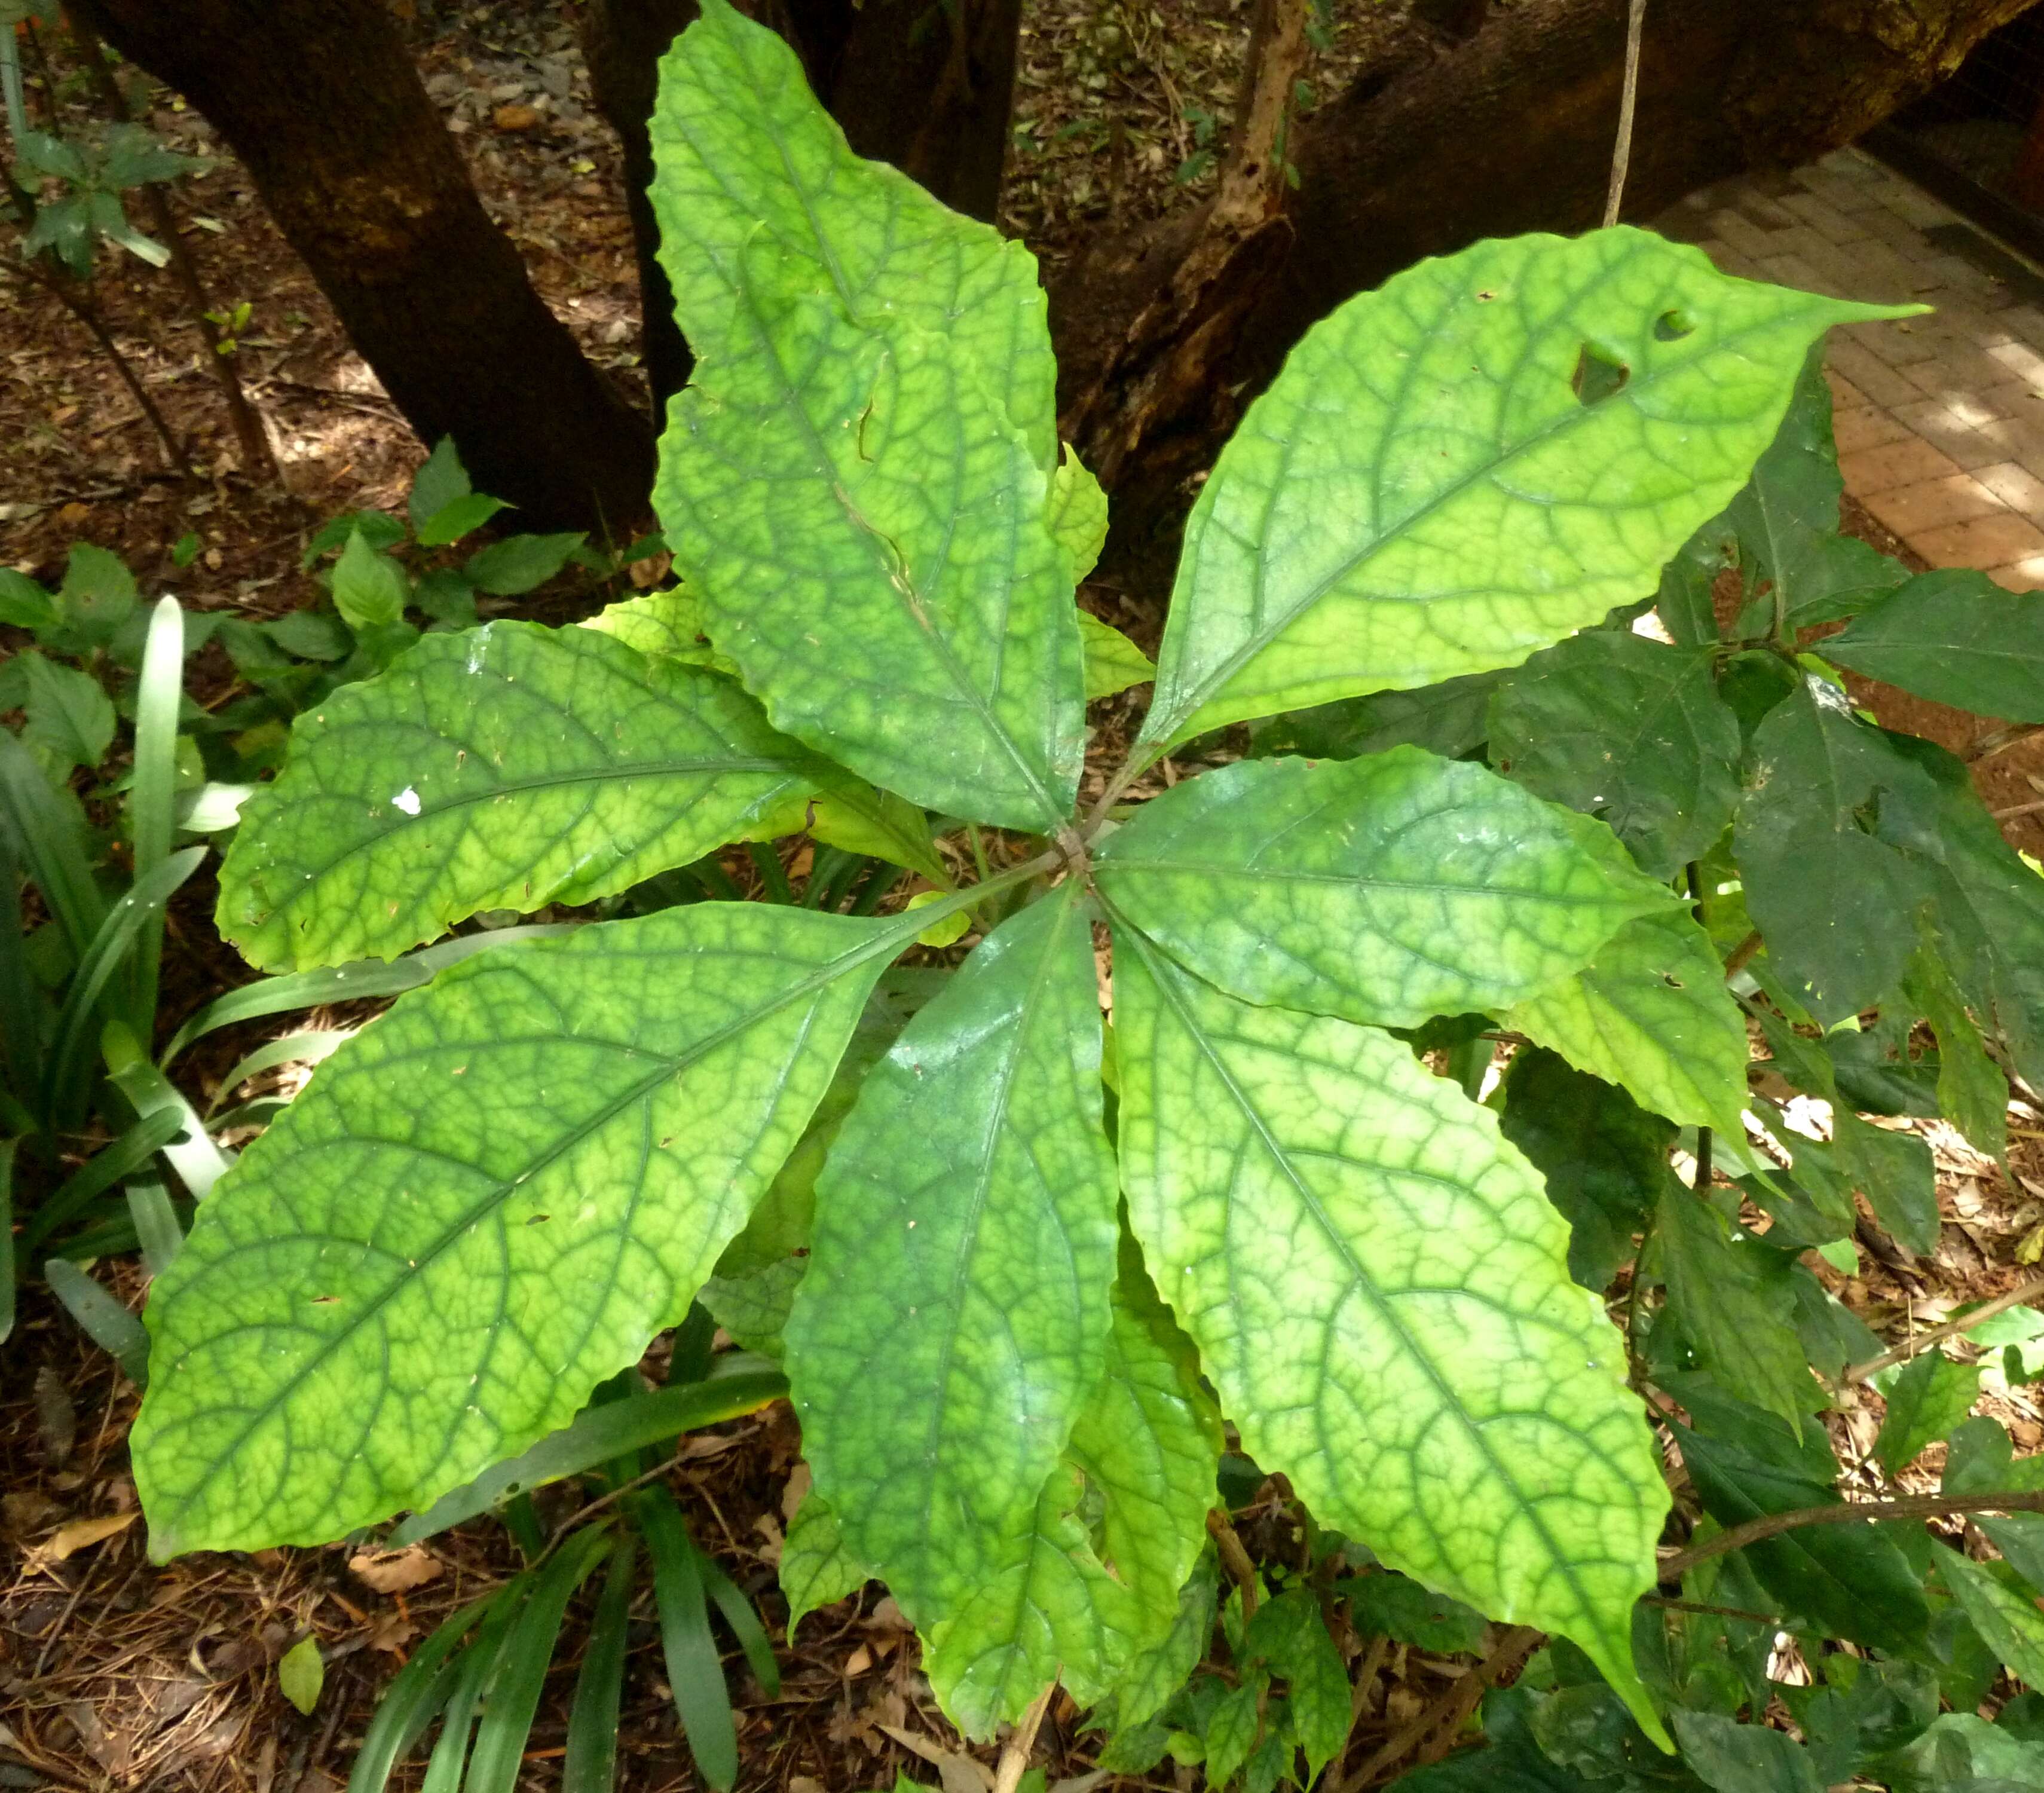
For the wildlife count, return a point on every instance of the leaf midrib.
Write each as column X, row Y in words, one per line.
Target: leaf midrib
column 1203, row 693
column 1160, row 973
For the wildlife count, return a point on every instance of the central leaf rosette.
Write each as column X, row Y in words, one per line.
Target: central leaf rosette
column 1019, row 1309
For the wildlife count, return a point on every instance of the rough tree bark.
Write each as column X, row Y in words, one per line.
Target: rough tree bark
column 1481, row 118
column 928, row 88
column 321, row 102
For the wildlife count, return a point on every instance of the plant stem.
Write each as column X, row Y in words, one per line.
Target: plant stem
column 1015, row 1758
column 257, row 461
column 1621, row 154
column 1847, row 1512
column 1741, row 954
column 1951, row 1329
column 1452, row 1710
column 1702, row 1180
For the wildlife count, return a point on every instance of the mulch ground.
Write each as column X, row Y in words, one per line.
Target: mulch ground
column 119, row 1674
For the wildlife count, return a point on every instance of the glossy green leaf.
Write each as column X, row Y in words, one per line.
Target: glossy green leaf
column 815, row 1569
column 1957, row 638
column 369, row 589
column 516, row 564
column 850, row 814
column 511, row 767
column 1377, row 1284
column 301, row 1673
column 1927, row 1398
column 1987, row 904
column 67, row 714
column 1290, row 1635
column 1649, row 1013
column 1630, row 731
column 2008, row 1619
column 479, row 1207
column 740, row 146
column 1835, row 903
column 1387, row 889
column 753, row 1307
column 1113, row 662
column 1078, row 516
column 1961, row 1752
column 1731, row 1292
column 1451, row 719
column 667, row 624
column 1429, row 489
column 1147, row 1683
column 957, row 1291
column 1730, row 1757
column 1605, row 1159
column 866, row 529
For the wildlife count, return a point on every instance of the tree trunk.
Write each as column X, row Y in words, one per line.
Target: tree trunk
column 321, row 100
column 1495, row 119
column 928, row 87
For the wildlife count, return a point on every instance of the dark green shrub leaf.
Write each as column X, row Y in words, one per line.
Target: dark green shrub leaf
column 67, row 716
column 369, row 589
column 1729, row 1757
column 1398, row 1607
column 1927, row 1397
column 1386, row 890
column 518, row 563
column 1450, row 719
column 1629, row 730
column 1955, row 637
column 1605, row 1159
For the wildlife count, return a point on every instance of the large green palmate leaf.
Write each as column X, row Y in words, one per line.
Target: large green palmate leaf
column 508, row 767
column 954, row 1316
column 1957, row 638
column 1383, row 889
column 1650, row 1014
column 1379, row 1289
column 1627, row 730
column 867, row 530
column 478, row 1208
column 1491, row 451
column 741, row 146
column 1146, row 1445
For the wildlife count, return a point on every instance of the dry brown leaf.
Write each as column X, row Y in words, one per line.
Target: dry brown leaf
column 394, row 1571
column 391, row 1632
column 799, row 1479
column 67, row 1541
column 514, row 118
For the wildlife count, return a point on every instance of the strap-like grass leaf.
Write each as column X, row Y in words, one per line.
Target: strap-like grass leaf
column 695, row 1676
column 414, row 1699
column 480, row 1207
column 1955, row 637
column 741, row 146
column 1650, row 1014
column 1386, row 890
column 1431, row 487
column 954, row 1316
column 1379, row 1289
column 510, row 766
column 1627, row 730
column 867, row 530
column 590, row 1765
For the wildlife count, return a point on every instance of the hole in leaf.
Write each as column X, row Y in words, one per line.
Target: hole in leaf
column 1672, row 327
column 326, row 1300
column 535, row 1219
column 1671, row 980
column 1598, row 375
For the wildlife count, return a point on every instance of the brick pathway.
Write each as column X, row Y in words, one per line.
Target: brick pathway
column 1940, row 419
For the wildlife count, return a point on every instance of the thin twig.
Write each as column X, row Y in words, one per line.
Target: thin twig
column 1847, row 1512
column 1736, row 962
column 1452, row 1710
column 2019, row 809
column 1621, row 154
column 2000, row 740
column 1015, row 1758
column 1951, row 1329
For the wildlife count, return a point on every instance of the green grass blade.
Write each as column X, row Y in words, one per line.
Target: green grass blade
column 122, row 1158
column 48, row 841
column 702, row 1700
column 106, row 1322
column 23, row 1007
column 599, row 1434
column 309, row 1046
column 346, row 983
column 152, row 799
column 591, row 1763
column 192, row 1154
column 64, row 1078
column 414, row 1697
column 476, row 1667
column 513, row 1695
column 745, row 1626
column 7, row 1150
column 156, row 1222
